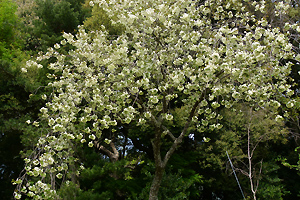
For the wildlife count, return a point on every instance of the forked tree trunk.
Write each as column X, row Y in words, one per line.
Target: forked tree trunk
column 160, row 163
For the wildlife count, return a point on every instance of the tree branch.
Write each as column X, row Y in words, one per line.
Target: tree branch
column 178, row 140
column 113, row 156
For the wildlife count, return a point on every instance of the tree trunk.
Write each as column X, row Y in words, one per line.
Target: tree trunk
column 160, row 164
column 159, row 172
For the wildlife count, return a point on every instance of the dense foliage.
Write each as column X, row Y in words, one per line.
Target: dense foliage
column 19, row 94
column 149, row 100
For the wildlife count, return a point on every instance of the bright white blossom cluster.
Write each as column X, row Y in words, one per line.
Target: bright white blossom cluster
column 204, row 55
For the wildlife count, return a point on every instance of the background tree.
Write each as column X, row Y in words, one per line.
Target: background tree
column 14, row 109
column 248, row 132
column 19, row 94
column 46, row 20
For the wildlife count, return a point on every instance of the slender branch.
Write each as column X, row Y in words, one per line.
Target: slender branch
column 169, row 132
column 260, row 170
column 242, row 171
column 257, row 143
column 114, row 156
column 159, row 125
column 250, row 153
column 178, row 140
column 156, row 123
column 137, row 94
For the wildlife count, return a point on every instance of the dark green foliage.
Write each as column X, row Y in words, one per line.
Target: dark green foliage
column 173, row 186
column 54, row 18
column 269, row 137
column 8, row 21
column 10, row 162
column 12, row 96
column 102, row 179
column 57, row 16
column 15, row 105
